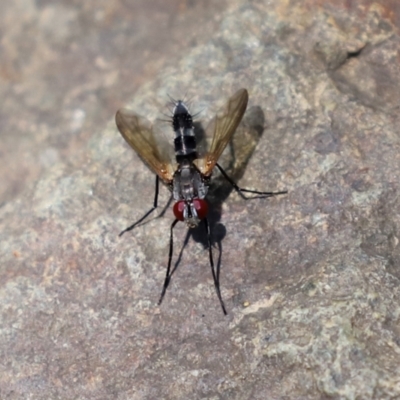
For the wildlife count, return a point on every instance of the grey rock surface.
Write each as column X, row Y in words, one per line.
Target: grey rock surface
column 310, row 280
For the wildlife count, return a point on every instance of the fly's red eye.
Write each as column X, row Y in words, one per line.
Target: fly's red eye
column 179, row 207
column 201, row 207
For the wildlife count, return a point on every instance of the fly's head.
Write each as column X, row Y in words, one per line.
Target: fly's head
column 191, row 211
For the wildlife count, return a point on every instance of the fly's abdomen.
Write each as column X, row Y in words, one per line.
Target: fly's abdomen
column 185, row 140
column 185, row 147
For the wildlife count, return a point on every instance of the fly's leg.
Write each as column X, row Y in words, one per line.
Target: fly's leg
column 171, row 250
column 155, row 204
column 215, row 273
column 241, row 190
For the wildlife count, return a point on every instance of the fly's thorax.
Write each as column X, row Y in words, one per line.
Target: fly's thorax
column 189, row 189
column 188, row 182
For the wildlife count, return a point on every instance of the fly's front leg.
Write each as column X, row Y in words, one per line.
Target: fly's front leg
column 171, row 251
column 215, row 273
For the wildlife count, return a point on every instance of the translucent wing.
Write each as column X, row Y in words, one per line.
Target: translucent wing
column 224, row 126
column 137, row 131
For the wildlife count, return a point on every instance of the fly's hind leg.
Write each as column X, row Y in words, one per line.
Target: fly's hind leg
column 171, row 251
column 155, row 204
column 241, row 191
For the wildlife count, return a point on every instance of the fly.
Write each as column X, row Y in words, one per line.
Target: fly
column 188, row 172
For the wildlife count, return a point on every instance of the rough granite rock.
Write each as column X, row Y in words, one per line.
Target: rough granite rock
column 311, row 280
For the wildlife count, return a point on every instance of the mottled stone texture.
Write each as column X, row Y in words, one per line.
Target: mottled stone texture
column 311, row 279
